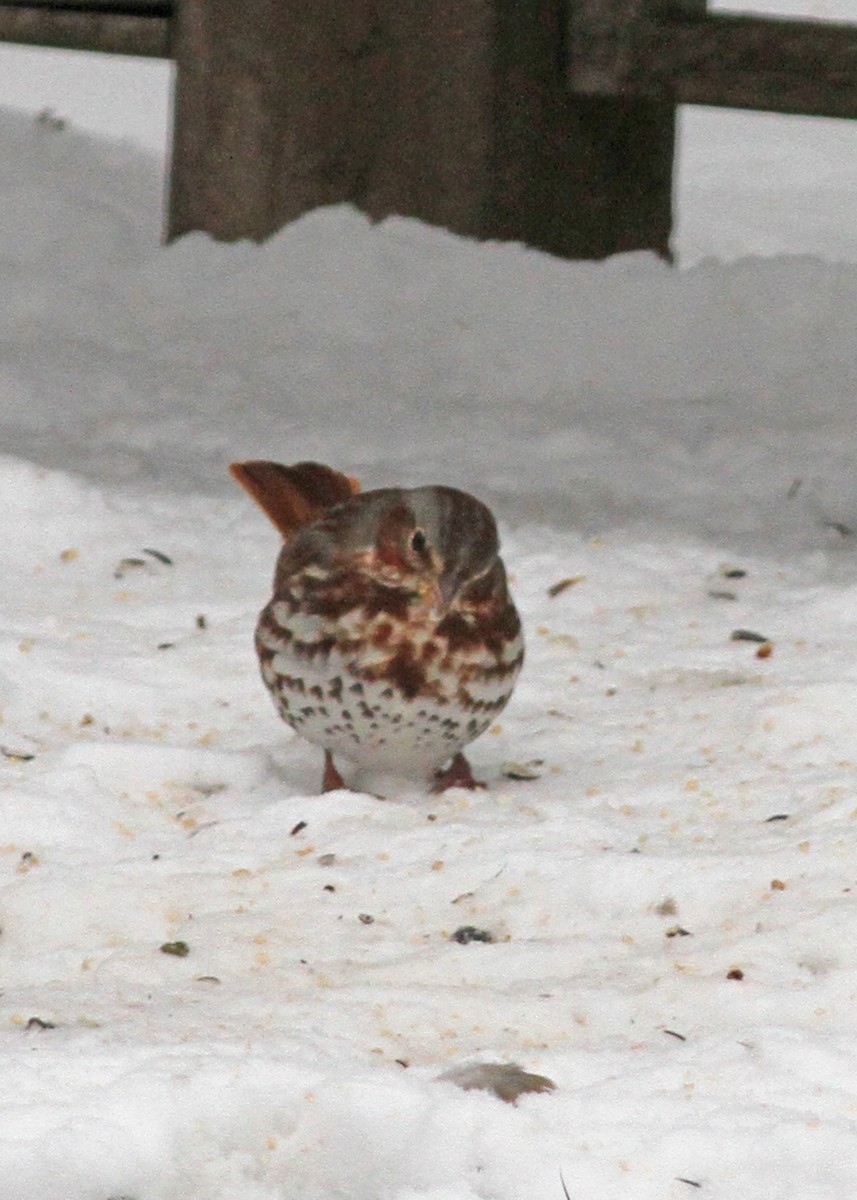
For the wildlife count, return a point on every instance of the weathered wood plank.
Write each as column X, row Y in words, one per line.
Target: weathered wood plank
column 801, row 67
column 112, row 33
column 453, row 111
column 138, row 8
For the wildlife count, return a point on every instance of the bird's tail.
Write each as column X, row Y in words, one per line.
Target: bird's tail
column 293, row 496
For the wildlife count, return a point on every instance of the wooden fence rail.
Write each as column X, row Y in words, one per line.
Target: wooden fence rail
column 544, row 121
column 635, row 48
column 141, row 28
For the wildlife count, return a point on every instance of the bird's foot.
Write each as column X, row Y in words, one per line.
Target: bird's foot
column 331, row 780
column 457, row 774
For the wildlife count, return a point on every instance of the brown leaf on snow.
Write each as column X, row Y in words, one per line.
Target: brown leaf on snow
column 507, row 1081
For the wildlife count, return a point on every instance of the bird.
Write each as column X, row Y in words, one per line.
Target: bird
column 390, row 639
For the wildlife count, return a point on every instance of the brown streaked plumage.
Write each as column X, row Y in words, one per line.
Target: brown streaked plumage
column 390, row 638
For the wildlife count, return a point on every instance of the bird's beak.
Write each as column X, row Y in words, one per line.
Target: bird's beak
column 448, row 586
column 440, row 592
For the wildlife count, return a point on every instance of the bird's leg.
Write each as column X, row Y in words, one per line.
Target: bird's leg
column 331, row 780
column 457, row 774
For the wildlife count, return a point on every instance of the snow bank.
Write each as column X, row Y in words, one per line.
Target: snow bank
column 715, row 400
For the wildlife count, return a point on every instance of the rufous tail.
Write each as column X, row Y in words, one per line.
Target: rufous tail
column 293, row 496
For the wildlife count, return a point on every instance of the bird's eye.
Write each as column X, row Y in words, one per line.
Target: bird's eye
column 419, row 542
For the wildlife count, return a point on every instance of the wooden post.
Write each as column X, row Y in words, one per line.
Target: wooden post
column 454, row 111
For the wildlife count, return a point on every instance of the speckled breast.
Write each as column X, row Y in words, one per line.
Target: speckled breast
column 389, row 695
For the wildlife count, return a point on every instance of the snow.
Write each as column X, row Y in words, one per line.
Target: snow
column 112, row 95
column 670, row 902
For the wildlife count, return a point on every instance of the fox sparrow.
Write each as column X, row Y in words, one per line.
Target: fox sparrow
column 391, row 638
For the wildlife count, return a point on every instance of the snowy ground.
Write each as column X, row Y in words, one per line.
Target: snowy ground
column 671, row 901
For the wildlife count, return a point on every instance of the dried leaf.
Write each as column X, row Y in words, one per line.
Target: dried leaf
column 507, row 1081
